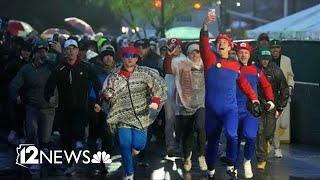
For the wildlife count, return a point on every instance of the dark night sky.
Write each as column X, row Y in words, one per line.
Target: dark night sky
column 44, row 14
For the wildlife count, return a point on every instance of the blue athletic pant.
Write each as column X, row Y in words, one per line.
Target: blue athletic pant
column 213, row 127
column 130, row 138
column 248, row 129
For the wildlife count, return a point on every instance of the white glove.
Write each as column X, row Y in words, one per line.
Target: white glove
column 271, row 105
column 279, row 113
column 153, row 106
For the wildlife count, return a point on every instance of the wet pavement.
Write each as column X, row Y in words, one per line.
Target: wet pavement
column 299, row 162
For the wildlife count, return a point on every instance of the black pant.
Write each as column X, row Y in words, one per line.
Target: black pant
column 98, row 129
column 72, row 127
column 17, row 119
column 267, row 126
column 188, row 123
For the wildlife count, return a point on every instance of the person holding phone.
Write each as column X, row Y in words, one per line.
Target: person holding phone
column 222, row 75
column 55, row 49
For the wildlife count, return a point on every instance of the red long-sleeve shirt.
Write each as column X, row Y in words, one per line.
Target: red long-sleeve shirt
column 210, row 59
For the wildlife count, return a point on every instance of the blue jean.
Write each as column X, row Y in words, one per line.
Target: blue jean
column 130, row 138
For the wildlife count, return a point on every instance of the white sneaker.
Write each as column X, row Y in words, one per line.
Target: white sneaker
column 202, row 163
column 128, row 177
column 277, row 153
column 187, row 163
column 231, row 173
column 247, row 169
column 79, row 145
column 211, row 174
column 56, row 133
column 135, row 152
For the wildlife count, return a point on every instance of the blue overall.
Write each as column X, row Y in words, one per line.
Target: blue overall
column 248, row 124
column 221, row 110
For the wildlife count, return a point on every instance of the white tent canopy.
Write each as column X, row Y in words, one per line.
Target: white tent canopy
column 302, row 25
column 185, row 33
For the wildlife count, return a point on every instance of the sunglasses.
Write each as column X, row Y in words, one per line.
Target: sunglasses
column 130, row 55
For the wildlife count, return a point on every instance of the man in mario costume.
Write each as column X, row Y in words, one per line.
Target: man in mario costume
column 248, row 121
column 221, row 78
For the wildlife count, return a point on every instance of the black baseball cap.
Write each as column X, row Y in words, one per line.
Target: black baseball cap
column 274, row 44
column 142, row 42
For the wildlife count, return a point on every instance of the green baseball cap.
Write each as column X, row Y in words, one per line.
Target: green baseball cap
column 274, row 44
column 41, row 44
column 264, row 53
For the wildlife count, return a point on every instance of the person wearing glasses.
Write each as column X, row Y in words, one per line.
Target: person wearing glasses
column 131, row 94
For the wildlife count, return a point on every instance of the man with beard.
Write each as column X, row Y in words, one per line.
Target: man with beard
column 221, row 78
column 39, row 113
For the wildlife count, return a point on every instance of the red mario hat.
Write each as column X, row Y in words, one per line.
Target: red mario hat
column 173, row 42
column 224, row 36
column 244, row 45
column 130, row 49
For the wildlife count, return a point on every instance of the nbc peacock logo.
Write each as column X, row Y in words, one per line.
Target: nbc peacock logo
column 101, row 157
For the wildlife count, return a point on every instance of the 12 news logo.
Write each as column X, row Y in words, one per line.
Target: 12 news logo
column 29, row 154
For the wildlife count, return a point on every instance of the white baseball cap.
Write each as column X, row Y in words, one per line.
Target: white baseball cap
column 70, row 42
